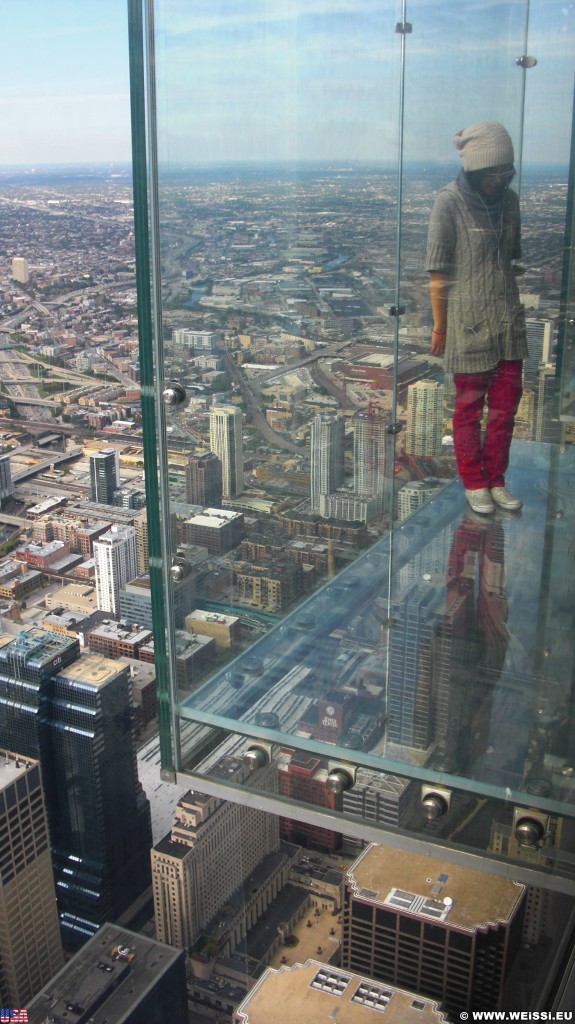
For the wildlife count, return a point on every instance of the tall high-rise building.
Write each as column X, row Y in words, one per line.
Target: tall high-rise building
column 539, row 376
column 74, row 715
column 6, row 486
column 446, row 931
column 416, row 493
column 142, row 547
column 326, row 456
column 30, row 944
column 411, row 684
column 116, row 558
column 370, row 454
column 204, row 480
column 213, row 847
column 117, row 976
column 226, row 441
column 20, row 270
column 103, row 837
column 540, row 333
column 142, row 551
column 424, row 418
column 104, row 475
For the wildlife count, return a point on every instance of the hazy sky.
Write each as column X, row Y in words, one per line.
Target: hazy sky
column 280, row 79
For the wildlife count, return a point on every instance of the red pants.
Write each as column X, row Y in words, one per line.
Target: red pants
column 483, row 464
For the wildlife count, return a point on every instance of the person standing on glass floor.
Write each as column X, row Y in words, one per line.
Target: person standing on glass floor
column 478, row 321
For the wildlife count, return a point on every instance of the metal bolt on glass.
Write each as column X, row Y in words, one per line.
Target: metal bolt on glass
column 174, row 393
column 179, row 569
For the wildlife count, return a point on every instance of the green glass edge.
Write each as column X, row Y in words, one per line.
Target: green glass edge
column 145, row 333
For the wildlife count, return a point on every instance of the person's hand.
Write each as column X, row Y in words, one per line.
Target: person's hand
column 437, row 342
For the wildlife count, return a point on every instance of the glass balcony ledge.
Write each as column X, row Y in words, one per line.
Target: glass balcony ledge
column 442, row 657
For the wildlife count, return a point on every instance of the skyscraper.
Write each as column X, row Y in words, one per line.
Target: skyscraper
column 227, row 443
column 74, row 715
column 204, row 480
column 370, row 441
column 117, row 976
column 411, row 679
column 540, row 341
column 103, row 836
column 116, row 557
column 141, row 528
column 440, row 929
column 424, row 418
column 104, row 475
column 539, row 376
column 213, row 846
column 6, row 487
column 30, row 945
column 326, row 456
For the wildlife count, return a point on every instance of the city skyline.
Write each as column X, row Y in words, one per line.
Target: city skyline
column 300, row 81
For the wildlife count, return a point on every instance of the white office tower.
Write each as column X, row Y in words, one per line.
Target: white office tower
column 6, row 486
column 539, row 376
column 369, row 450
column 20, row 270
column 424, row 418
column 116, row 558
column 540, row 334
column 226, row 427
column 326, row 456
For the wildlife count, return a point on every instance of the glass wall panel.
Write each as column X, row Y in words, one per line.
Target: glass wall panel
column 336, row 612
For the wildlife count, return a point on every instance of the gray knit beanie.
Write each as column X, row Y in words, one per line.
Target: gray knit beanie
column 485, row 144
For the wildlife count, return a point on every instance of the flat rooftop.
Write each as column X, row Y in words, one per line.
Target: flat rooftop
column 12, row 767
column 215, row 618
column 458, row 896
column 317, row 993
column 36, row 645
column 216, row 519
column 92, row 670
column 100, row 985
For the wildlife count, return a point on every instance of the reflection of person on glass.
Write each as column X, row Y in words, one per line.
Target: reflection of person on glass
column 478, row 321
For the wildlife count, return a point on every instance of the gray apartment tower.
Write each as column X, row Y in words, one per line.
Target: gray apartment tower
column 373, row 455
column 326, row 456
column 73, row 714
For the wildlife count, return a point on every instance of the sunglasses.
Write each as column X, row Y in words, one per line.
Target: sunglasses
column 499, row 172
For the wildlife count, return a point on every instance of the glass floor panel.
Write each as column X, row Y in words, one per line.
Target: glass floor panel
column 443, row 655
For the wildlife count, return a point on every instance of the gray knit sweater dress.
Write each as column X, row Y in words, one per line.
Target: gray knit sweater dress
column 485, row 319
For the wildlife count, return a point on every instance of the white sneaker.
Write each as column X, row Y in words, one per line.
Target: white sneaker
column 504, row 499
column 481, row 500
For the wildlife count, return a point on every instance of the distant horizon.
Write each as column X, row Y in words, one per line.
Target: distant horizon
column 254, row 162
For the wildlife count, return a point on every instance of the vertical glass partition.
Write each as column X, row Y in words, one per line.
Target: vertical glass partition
column 333, row 607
